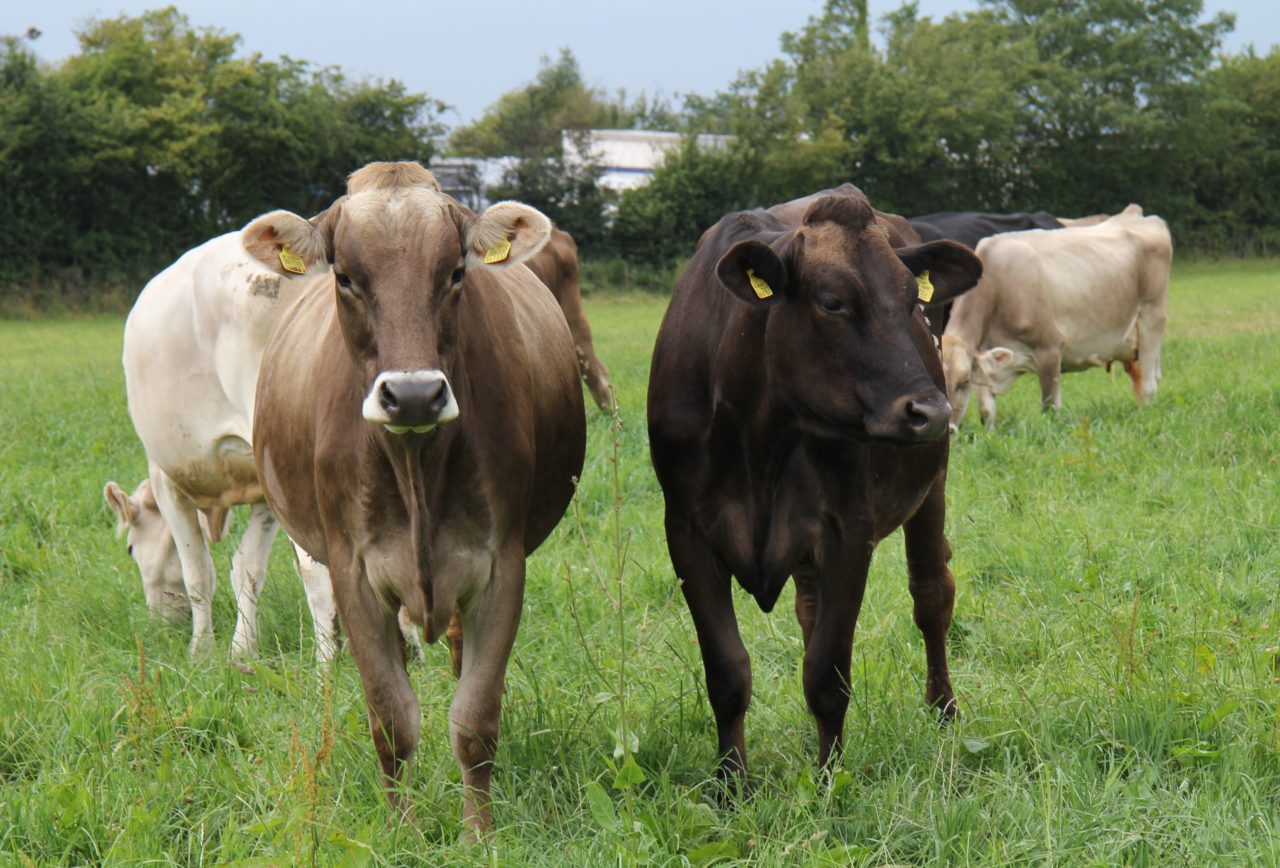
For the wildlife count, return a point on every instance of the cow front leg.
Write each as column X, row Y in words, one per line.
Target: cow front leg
column 933, row 590
column 705, row 583
column 475, row 715
column 394, row 715
column 198, row 576
column 829, row 648
column 1049, row 369
column 248, row 574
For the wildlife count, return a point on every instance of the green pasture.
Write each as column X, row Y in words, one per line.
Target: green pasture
column 1116, row 650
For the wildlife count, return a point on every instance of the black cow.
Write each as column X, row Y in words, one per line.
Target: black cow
column 970, row 227
column 796, row 418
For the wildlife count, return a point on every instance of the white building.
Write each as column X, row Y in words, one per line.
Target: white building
column 628, row 157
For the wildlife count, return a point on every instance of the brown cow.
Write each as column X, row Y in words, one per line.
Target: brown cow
column 796, row 418
column 556, row 265
column 418, row 427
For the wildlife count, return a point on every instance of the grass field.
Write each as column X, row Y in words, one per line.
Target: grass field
column 1115, row 650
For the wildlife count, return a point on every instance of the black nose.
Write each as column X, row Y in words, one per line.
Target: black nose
column 413, row 402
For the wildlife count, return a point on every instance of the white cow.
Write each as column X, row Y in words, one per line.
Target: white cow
column 1065, row 300
column 192, row 347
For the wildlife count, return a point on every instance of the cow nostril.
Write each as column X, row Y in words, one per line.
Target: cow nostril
column 928, row 419
column 918, row 415
column 387, row 397
column 441, row 399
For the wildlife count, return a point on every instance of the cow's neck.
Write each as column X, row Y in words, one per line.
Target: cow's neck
column 412, row 460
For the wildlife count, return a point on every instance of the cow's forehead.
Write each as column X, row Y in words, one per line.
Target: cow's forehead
column 831, row 244
column 394, row 217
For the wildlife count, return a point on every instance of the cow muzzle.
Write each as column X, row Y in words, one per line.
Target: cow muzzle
column 404, row 401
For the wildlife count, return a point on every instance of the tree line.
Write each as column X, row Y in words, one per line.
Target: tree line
column 158, row 135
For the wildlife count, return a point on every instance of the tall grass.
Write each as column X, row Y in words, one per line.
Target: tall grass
column 1115, row 650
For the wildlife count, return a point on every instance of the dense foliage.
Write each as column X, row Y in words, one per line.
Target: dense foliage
column 1023, row 105
column 157, row 136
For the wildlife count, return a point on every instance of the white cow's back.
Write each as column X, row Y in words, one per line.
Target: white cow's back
column 192, row 347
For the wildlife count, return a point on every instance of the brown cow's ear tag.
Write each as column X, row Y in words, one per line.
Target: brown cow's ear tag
column 761, row 288
column 925, row 285
column 291, row 261
column 498, row 252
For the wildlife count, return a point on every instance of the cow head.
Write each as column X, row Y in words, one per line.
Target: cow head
column 402, row 253
column 965, row 367
column 152, row 547
column 842, row 349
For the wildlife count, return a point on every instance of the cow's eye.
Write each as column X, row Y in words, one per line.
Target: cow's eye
column 830, row 304
column 458, row 273
column 344, row 283
column 129, row 550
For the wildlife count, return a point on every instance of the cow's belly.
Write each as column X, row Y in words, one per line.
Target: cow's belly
column 223, row 476
column 1092, row 341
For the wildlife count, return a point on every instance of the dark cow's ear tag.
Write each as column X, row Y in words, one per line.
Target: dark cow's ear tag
column 758, row 285
column 291, row 261
column 925, row 286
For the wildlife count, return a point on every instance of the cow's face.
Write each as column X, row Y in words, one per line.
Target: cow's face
column 845, row 342
column 401, row 259
column 966, row 368
column 152, row 548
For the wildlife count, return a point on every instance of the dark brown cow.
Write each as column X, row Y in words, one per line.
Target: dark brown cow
column 557, row 266
column 417, row 429
column 796, row 418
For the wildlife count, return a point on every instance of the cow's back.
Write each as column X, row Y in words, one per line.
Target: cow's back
column 1077, row 286
column 192, row 346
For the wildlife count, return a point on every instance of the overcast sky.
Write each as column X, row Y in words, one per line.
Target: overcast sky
column 467, row 53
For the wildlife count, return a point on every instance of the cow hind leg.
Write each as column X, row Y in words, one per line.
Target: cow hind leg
column 1151, row 325
column 454, row 635
column 248, row 574
column 1134, row 370
column 198, row 576
column 933, row 591
column 705, row 583
column 596, row 376
column 324, row 610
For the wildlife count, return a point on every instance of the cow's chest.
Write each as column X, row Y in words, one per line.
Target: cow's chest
column 804, row 507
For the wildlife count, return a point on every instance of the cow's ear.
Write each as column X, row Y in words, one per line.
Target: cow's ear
column 122, row 504
column 953, row 269
column 753, row 273
column 505, row 234
column 288, row 244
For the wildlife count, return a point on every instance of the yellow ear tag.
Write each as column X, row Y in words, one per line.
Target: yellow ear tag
column 291, row 261
column 757, row 283
column 926, row 286
column 498, row 252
